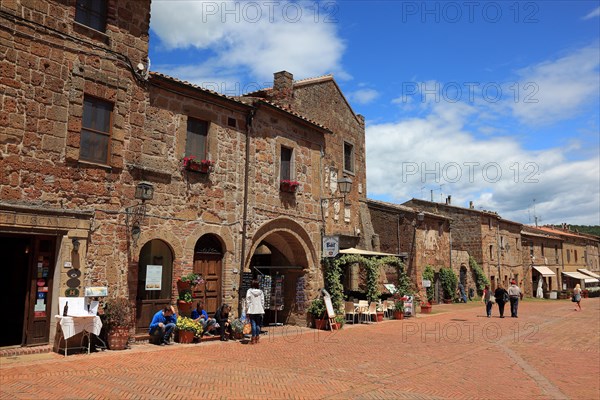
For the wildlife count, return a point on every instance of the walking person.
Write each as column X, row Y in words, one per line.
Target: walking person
column 501, row 296
column 514, row 294
column 255, row 301
column 577, row 296
column 487, row 299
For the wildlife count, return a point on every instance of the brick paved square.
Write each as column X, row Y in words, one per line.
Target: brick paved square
column 549, row 352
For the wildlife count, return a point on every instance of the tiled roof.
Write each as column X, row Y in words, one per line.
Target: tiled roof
column 560, row 232
column 300, row 82
column 295, row 114
column 405, row 208
column 533, row 231
column 230, row 98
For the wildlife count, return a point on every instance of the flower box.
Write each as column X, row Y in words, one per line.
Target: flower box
column 203, row 166
column 288, row 186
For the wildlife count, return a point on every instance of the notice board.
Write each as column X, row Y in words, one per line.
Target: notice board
column 329, row 307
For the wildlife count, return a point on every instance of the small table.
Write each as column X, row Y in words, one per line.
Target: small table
column 70, row 326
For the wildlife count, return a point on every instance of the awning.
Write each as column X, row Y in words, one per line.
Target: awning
column 352, row 250
column 579, row 275
column 545, row 271
column 590, row 273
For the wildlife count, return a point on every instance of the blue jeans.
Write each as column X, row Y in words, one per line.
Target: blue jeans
column 165, row 331
column 514, row 306
column 488, row 308
column 256, row 321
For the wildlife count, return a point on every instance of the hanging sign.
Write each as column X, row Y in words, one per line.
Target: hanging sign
column 153, row 277
column 331, row 246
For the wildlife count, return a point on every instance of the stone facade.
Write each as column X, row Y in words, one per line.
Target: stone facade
column 493, row 242
column 541, row 249
column 82, row 218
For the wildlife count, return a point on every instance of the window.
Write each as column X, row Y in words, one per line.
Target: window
column 231, row 122
column 285, row 165
column 91, row 13
column 531, row 249
column 568, row 256
column 348, row 157
column 542, row 249
column 575, row 255
column 491, row 252
column 196, row 139
column 94, row 142
column 556, row 253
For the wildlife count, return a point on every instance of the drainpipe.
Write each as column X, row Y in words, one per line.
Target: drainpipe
column 249, row 120
column 498, row 245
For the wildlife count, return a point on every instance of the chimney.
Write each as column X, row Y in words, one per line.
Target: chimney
column 449, row 199
column 283, row 89
column 471, row 204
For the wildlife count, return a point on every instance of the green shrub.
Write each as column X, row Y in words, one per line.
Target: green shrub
column 449, row 282
column 429, row 275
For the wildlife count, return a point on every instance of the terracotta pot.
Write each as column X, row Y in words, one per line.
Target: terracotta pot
column 425, row 309
column 286, row 187
column 447, row 301
column 379, row 316
column 398, row 314
column 118, row 338
column 320, row 323
column 185, row 337
column 197, row 167
column 184, row 308
column 183, row 286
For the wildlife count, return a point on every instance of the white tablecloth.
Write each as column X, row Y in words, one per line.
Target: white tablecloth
column 71, row 326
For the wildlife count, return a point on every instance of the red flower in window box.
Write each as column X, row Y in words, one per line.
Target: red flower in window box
column 191, row 164
column 289, row 186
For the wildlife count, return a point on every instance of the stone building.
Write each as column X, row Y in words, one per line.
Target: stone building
column 422, row 236
column 95, row 189
column 579, row 257
column 542, row 260
column 495, row 243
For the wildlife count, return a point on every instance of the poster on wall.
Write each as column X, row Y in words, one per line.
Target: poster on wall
column 153, row 277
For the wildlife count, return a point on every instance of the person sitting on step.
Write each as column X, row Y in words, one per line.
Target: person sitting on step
column 162, row 326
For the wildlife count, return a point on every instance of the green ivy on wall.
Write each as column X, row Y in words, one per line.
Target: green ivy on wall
column 480, row 279
column 333, row 276
column 429, row 275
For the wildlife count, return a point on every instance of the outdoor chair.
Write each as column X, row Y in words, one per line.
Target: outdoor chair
column 372, row 311
column 384, row 306
column 349, row 309
column 363, row 308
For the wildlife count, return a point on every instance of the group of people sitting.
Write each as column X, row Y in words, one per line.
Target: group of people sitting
column 164, row 321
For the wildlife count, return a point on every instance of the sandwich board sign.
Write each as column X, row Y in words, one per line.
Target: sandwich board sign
column 331, row 246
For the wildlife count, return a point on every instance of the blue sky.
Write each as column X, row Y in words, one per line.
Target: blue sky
column 492, row 102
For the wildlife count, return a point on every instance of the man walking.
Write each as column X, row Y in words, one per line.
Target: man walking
column 514, row 293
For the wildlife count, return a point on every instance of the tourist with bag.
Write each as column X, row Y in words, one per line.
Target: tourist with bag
column 577, row 296
column 501, row 296
column 488, row 299
column 255, row 303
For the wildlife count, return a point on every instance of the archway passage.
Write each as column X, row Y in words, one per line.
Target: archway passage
column 155, row 279
column 208, row 262
column 280, row 260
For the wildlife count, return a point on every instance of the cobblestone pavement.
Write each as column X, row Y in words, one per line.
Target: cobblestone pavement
column 549, row 352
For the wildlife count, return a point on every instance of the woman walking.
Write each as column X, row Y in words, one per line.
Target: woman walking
column 487, row 299
column 255, row 301
column 577, row 296
column 501, row 298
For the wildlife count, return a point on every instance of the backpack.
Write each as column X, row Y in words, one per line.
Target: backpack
column 505, row 297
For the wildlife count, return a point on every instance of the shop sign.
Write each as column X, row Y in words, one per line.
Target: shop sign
column 426, row 283
column 331, row 246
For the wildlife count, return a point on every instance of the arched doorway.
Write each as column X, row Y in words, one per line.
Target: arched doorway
column 208, row 260
column 155, row 272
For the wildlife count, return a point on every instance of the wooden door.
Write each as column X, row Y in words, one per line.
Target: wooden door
column 40, row 291
column 209, row 266
column 148, row 302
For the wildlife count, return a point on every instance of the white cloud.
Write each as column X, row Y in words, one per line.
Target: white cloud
column 363, row 96
column 411, row 157
column 593, row 14
column 559, row 89
column 250, row 37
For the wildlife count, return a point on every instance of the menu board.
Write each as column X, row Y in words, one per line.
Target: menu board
column 300, row 295
column 246, row 283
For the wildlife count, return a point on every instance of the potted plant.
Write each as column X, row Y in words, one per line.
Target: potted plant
column 185, row 285
column 340, row 320
column 287, row 185
column 117, row 319
column 379, row 311
column 191, row 164
column 237, row 327
column 184, row 302
column 317, row 310
column 449, row 282
column 399, row 309
column 426, row 307
column 188, row 329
